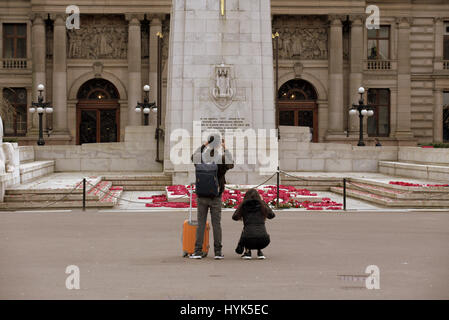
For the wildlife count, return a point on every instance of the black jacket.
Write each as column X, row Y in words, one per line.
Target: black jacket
column 226, row 164
column 253, row 219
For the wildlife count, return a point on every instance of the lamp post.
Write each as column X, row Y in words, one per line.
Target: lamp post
column 363, row 110
column 146, row 106
column 40, row 106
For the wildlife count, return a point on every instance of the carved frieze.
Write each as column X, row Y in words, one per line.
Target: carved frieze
column 302, row 37
column 100, row 37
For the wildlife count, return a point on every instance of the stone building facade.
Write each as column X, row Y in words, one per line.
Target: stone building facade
column 94, row 76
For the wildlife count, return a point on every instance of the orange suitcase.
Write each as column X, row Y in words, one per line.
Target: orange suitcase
column 189, row 234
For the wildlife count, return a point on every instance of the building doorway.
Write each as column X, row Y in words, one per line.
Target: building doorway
column 97, row 112
column 297, row 106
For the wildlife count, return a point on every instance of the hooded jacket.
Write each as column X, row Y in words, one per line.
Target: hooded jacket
column 253, row 219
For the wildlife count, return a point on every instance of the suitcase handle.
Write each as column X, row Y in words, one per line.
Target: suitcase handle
column 190, row 207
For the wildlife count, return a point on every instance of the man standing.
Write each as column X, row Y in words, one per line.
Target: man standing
column 207, row 150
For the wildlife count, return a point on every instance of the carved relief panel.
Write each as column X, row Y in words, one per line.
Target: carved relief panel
column 100, row 37
column 302, row 37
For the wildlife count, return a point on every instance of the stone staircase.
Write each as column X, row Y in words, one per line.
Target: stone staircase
column 312, row 183
column 30, row 169
column 140, row 182
column 389, row 195
column 99, row 194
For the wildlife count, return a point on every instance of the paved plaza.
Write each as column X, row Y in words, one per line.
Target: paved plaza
column 137, row 255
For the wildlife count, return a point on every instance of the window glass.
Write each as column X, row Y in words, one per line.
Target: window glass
column 8, row 29
column 15, row 111
column 384, row 32
column 14, row 40
column 21, row 30
column 372, row 33
column 379, row 43
column 286, row 118
column 446, row 47
column 379, row 123
column 8, row 44
column 372, row 49
column 384, row 120
column 383, row 50
column 21, row 48
column 371, row 126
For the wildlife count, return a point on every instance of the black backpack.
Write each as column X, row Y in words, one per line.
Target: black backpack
column 206, row 183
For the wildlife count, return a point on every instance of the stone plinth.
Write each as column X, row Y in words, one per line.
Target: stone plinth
column 220, row 72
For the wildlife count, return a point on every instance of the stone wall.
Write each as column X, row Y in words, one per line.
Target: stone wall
column 424, row 155
column 137, row 153
column 297, row 155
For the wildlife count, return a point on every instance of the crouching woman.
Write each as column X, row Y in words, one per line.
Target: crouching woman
column 254, row 211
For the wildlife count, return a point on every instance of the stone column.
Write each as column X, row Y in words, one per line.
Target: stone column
column 155, row 27
column 59, row 91
column 438, row 116
column 335, row 114
column 38, row 41
column 356, row 68
column 134, row 68
column 403, row 129
column 439, row 50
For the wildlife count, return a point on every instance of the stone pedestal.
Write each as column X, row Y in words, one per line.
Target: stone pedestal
column 220, row 72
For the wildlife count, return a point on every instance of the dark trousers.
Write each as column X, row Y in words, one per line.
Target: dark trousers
column 215, row 214
column 258, row 243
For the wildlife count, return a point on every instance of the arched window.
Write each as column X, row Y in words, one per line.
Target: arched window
column 297, row 90
column 97, row 89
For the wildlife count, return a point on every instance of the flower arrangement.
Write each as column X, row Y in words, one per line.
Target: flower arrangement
column 233, row 198
column 408, row 184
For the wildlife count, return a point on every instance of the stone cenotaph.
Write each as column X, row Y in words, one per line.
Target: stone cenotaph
column 220, row 77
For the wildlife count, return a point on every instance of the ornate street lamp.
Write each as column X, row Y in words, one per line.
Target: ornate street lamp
column 363, row 110
column 40, row 106
column 146, row 106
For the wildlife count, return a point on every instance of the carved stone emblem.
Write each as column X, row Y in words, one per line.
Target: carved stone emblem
column 298, row 68
column 222, row 92
column 97, row 69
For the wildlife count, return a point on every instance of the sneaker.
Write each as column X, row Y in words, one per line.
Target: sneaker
column 260, row 255
column 239, row 249
column 219, row 256
column 247, row 255
column 196, row 255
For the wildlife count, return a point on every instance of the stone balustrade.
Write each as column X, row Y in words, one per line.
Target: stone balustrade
column 380, row 65
column 15, row 63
